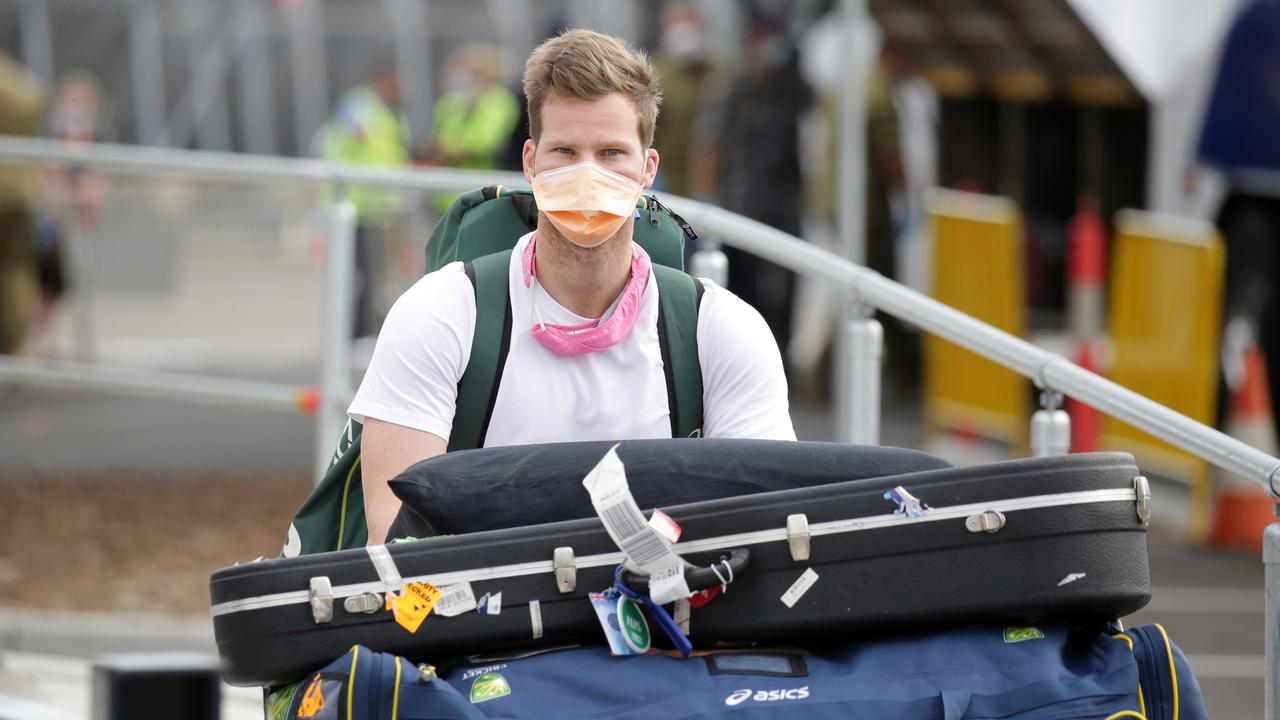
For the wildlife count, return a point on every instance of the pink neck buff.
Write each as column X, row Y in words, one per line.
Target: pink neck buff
column 595, row 335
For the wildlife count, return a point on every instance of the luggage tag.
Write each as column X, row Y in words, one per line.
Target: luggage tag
column 623, row 622
column 656, row 611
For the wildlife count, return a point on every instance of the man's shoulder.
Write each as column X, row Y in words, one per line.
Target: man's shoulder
column 721, row 307
column 445, row 290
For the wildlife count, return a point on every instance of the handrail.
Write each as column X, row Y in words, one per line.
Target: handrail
column 232, row 167
column 1047, row 370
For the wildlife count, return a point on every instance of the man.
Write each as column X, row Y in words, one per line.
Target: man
column 21, row 106
column 757, row 157
column 584, row 361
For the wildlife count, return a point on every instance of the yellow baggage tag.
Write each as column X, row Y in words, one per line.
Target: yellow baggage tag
column 412, row 604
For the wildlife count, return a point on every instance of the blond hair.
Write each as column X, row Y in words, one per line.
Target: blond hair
column 588, row 65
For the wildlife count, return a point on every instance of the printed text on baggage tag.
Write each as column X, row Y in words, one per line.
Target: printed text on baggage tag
column 455, row 600
column 412, row 605
column 799, row 587
column 668, row 585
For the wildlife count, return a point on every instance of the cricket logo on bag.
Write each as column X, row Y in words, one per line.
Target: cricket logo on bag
column 488, row 687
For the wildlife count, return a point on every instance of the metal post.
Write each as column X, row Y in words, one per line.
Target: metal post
column 255, row 73
column 1271, row 556
column 37, row 43
column 335, row 369
column 1050, row 427
column 151, row 126
column 411, row 38
column 710, row 262
column 864, row 339
column 851, row 210
column 310, row 83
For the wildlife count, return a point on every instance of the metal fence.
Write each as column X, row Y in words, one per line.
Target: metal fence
column 858, row 365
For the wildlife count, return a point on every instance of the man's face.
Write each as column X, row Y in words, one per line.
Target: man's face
column 604, row 131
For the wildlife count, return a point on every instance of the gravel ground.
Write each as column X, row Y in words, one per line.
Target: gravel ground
column 134, row 544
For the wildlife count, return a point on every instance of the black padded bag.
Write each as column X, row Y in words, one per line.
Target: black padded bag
column 502, row 487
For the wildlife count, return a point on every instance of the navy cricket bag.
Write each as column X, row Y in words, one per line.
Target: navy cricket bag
column 1013, row 673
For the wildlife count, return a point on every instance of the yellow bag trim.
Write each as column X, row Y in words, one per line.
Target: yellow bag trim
column 346, row 488
column 1127, row 714
column 351, row 677
column 1142, row 701
column 1173, row 671
column 395, row 696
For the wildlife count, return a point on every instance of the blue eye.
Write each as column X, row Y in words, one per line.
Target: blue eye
column 564, row 150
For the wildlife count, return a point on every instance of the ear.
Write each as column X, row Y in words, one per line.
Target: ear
column 526, row 158
column 650, row 167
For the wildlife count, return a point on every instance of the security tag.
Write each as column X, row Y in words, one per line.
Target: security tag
column 412, row 604
column 666, row 527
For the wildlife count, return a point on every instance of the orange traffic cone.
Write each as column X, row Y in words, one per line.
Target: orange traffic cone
column 1242, row 510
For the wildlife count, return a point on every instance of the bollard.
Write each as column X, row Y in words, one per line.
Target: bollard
column 1271, row 556
column 156, row 686
column 710, row 262
column 864, row 343
column 335, row 369
column 1050, row 427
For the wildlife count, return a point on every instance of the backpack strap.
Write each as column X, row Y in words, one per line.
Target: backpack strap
column 478, row 388
column 679, row 297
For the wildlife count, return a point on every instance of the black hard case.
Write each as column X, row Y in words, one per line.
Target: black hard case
column 910, row 575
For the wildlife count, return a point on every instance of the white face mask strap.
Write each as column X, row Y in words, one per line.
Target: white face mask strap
column 533, row 302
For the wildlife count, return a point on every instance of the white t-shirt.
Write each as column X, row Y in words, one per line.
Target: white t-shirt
column 616, row 393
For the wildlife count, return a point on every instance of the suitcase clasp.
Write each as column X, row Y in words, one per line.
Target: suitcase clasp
column 321, row 599
column 566, row 569
column 1142, row 493
column 798, row 536
column 989, row 522
column 367, row 603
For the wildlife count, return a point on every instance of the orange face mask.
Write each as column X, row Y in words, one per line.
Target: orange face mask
column 585, row 202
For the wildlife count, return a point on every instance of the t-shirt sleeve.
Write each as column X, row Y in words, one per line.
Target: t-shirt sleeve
column 420, row 355
column 744, row 389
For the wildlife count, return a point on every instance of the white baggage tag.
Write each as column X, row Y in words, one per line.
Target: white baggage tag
column 455, row 600
column 668, row 585
column 682, row 615
column 490, row 604
column 799, row 587
column 644, row 547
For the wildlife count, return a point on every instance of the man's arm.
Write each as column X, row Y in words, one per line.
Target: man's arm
column 386, row 451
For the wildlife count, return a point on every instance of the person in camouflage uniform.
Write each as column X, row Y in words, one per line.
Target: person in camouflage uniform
column 21, row 108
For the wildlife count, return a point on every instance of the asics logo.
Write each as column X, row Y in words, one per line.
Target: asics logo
column 740, row 696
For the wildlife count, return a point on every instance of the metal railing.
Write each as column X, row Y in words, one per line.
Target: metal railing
column 858, row 385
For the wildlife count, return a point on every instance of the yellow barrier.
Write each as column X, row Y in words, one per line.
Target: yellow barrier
column 1166, row 304
column 977, row 269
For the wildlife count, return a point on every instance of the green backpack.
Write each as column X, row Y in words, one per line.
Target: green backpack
column 480, row 229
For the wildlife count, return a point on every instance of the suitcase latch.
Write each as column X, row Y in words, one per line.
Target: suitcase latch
column 798, row 536
column 988, row 522
column 1142, row 492
column 566, row 569
column 367, row 603
column 321, row 599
